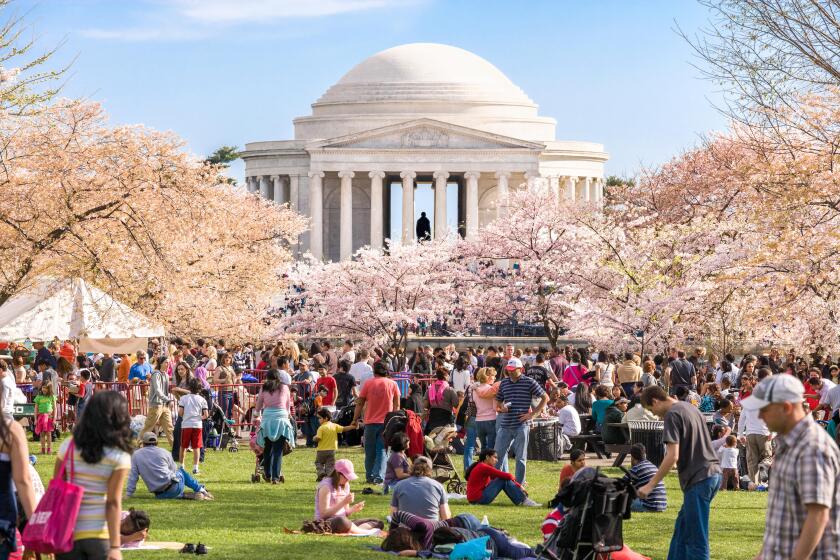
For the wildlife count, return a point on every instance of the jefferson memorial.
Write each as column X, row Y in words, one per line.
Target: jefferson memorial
column 416, row 115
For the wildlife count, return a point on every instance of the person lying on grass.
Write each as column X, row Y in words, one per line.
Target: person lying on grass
column 411, row 535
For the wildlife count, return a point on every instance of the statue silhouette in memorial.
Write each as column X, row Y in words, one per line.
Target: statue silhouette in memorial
column 424, row 228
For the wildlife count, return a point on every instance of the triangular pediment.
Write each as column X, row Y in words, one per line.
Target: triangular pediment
column 425, row 134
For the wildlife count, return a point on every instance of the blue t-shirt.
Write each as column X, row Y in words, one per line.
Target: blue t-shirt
column 140, row 371
column 598, row 410
column 519, row 395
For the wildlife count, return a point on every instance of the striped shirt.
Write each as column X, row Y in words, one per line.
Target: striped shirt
column 518, row 396
column 640, row 475
column 91, row 523
column 806, row 470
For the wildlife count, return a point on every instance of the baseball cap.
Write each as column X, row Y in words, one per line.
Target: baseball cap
column 345, row 467
column 774, row 389
column 514, row 363
column 622, row 400
column 149, row 438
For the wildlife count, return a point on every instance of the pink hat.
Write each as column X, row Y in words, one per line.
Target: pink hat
column 345, row 467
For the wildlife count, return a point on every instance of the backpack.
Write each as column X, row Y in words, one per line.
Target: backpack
column 445, row 536
column 307, row 407
column 467, row 409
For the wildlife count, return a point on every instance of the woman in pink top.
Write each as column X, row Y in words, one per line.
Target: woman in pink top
column 484, row 396
column 334, row 502
column 276, row 429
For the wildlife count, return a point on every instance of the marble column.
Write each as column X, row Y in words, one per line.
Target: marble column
column 472, row 203
column 440, row 204
column 376, row 218
column 408, row 205
column 587, row 189
column 264, row 186
column 278, row 189
column 502, row 187
column 554, row 183
column 316, row 193
column 294, row 191
column 346, row 213
column 570, row 188
column 530, row 180
column 601, row 192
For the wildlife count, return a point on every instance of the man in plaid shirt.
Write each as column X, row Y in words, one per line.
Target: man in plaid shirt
column 803, row 508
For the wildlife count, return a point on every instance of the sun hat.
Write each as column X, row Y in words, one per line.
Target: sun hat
column 345, row 467
column 149, row 438
column 514, row 363
column 775, row 389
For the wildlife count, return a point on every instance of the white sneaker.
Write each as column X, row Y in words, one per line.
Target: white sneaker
column 195, row 470
column 530, row 503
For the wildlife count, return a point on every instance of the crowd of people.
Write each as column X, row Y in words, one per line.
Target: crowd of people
column 728, row 424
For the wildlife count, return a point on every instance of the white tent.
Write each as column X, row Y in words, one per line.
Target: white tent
column 70, row 309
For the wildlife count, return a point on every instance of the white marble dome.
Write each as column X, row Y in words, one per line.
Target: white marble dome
column 425, row 80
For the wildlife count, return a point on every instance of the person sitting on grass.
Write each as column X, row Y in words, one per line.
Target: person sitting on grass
column 641, row 471
column 485, row 482
column 397, row 467
column 161, row 474
column 334, row 502
column 421, row 494
column 577, row 460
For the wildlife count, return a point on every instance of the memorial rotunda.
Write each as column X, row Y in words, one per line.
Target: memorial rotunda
column 416, row 114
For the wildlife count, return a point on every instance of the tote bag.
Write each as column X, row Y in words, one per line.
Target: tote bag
column 50, row 530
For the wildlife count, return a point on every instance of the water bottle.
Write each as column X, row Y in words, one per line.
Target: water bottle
column 485, row 522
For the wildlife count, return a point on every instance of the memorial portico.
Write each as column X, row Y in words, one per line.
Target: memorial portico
column 418, row 114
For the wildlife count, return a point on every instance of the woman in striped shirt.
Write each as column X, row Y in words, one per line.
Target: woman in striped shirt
column 101, row 445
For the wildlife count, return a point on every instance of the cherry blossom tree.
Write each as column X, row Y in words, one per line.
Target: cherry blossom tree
column 129, row 210
column 527, row 263
column 376, row 297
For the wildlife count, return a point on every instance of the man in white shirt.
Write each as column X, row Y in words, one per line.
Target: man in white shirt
column 361, row 370
column 830, row 400
column 569, row 418
column 755, row 434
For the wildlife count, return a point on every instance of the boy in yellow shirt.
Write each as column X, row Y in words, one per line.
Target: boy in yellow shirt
column 327, row 438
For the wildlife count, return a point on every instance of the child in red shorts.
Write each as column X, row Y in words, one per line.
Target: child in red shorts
column 193, row 409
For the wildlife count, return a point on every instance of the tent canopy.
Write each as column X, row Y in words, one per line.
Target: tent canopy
column 71, row 309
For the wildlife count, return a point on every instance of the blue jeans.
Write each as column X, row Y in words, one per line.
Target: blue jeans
column 485, row 430
column 691, row 530
column 518, row 437
column 275, row 459
column 310, row 429
column 514, row 492
column 375, row 458
column 505, row 548
column 185, row 479
column 226, row 401
column 469, row 444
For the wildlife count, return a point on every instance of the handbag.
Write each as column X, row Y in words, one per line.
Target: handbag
column 50, row 529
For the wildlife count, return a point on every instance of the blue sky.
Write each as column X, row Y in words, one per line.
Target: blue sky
column 234, row 71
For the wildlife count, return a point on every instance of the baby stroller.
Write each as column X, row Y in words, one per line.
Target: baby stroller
column 258, row 452
column 438, row 450
column 595, row 507
column 221, row 434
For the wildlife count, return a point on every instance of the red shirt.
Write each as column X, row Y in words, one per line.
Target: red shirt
column 480, row 477
column 329, row 383
column 379, row 394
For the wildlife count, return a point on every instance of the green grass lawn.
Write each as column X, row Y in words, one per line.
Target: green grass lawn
column 246, row 520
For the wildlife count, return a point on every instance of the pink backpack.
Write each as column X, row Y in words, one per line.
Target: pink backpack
column 50, row 529
column 436, row 391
